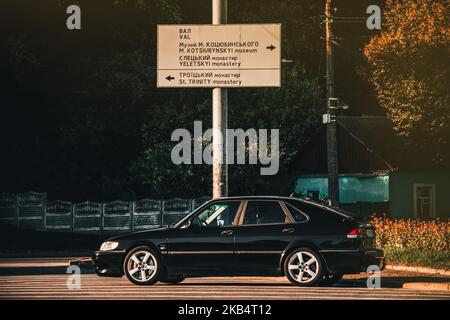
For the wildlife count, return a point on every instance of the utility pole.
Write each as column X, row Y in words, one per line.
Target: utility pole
column 333, row 180
column 219, row 118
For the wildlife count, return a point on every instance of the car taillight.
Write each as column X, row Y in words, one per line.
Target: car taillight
column 356, row 233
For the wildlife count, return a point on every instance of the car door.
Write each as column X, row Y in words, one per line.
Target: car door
column 266, row 228
column 206, row 242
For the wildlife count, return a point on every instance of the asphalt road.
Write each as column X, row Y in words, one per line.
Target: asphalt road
column 46, row 279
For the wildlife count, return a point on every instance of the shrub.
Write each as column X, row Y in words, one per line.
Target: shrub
column 415, row 234
column 414, row 241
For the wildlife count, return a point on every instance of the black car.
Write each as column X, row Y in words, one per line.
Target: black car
column 260, row 236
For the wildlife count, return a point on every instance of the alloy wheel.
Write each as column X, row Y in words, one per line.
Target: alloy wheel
column 303, row 267
column 141, row 266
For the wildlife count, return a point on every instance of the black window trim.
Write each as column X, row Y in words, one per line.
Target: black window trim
column 301, row 212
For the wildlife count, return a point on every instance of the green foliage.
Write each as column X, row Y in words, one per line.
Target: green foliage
column 417, row 242
column 410, row 73
column 290, row 109
column 435, row 259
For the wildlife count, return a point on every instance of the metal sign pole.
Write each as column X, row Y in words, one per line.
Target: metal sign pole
column 333, row 179
column 224, row 20
column 219, row 122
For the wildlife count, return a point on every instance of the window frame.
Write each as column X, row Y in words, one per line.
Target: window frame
column 307, row 218
column 238, row 212
column 286, row 212
column 433, row 198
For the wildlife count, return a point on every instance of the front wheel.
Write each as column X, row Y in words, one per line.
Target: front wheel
column 142, row 266
column 303, row 267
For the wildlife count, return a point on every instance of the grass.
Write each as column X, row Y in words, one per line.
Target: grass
column 434, row 259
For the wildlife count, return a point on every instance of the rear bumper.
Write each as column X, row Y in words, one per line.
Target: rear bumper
column 374, row 257
column 108, row 263
column 352, row 261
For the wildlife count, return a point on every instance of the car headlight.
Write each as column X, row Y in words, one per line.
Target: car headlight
column 109, row 245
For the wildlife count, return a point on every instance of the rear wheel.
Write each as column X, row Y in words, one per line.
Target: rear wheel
column 142, row 266
column 303, row 267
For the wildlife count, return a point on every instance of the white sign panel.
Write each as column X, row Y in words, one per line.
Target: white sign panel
column 223, row 56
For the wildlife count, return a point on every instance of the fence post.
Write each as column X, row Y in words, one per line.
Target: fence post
column 73, row 216
column 17, row 210
column 44, row 227
column 130, row 211
column 133, row 207
column 102, row 217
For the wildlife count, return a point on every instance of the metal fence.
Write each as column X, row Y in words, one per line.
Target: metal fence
column 30, row 210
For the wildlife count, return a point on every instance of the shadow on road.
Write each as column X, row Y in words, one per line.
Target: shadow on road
column 34, row 271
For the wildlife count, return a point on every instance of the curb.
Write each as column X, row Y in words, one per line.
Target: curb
column 419, row 270
column 431, row 286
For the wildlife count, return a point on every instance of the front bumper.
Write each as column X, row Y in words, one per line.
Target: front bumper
column 109, row 263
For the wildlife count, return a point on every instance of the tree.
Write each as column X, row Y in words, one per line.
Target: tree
column 409, row 70
column 291, row 109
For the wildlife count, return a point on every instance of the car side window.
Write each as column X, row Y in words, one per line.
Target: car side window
column 264, row 212
column 217, row 215
column 296, row 213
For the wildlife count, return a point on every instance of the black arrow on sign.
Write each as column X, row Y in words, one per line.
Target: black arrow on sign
column 271, row 47
column 170, row 78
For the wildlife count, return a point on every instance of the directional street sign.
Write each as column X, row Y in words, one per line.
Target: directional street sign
column 219, row 56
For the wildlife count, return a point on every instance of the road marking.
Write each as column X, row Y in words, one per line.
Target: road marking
column 246, row 288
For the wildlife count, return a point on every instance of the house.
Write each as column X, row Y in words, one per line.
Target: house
column 378, row 172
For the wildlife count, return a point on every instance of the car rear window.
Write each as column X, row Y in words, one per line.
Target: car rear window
column 318, row 212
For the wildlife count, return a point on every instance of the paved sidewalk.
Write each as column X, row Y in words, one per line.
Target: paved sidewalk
column 426, row 270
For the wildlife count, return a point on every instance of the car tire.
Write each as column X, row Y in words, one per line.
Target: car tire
column 303, row 267
column 331, row 279
column 142, row 266
column 172, row 280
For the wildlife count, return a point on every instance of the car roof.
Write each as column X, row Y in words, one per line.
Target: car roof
column 304, row 200
column 253, row 197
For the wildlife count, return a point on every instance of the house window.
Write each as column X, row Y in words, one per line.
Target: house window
column 424, row 201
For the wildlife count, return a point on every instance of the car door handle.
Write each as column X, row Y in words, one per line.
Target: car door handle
column 288, row 230
column 227, row 232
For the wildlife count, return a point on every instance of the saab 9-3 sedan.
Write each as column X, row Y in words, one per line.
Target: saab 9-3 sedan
column 306, row 241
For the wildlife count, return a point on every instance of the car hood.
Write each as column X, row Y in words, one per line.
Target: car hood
column 144, row 234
